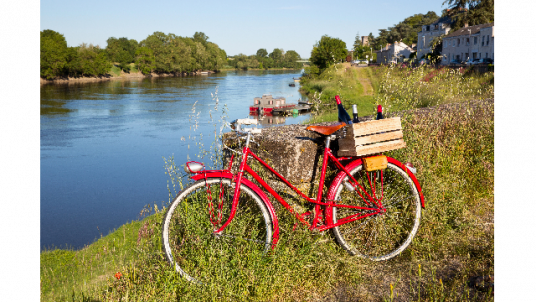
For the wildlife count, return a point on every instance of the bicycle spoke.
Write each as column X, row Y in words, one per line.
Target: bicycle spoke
column 386, row 234
column 189, row 227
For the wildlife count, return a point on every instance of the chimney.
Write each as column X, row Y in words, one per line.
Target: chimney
column 466, row 25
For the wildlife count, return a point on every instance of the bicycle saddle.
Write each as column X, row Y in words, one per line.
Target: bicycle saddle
column 326, row 130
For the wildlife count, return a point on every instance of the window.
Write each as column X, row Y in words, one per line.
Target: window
column 458, row 41
column 475, row 41
column 467, row 41
column 480, row 55
column 486, row 55
column 487, row 42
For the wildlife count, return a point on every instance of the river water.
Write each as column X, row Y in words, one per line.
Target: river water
column 103, row 144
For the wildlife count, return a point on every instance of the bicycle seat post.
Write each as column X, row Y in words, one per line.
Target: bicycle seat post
column 328, row 140
column 247, row 139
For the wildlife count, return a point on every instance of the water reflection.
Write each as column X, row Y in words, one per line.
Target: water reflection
column 268, row 120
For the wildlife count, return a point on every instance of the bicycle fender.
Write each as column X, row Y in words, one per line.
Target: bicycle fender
column 411, row 175
column 254, row 188
column 338, row 179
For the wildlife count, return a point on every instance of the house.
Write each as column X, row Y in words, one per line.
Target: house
column 395, row 52
column 425, row 37
column 469, row 42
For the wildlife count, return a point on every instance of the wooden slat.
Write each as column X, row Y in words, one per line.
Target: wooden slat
column 371, row 127
column 347, row 144
column 373, row 149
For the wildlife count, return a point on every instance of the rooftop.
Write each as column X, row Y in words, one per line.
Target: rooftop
column 469, row 30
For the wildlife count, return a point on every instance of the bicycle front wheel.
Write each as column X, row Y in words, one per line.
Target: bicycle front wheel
column 188, row 229
column 384, row 235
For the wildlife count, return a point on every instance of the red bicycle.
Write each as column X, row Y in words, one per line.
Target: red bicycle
column 373, row 214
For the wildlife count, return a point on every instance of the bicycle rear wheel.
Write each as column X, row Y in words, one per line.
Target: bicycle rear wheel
column 380, row 236
column 188, row 229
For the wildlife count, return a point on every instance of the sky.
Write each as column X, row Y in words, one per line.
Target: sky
column 236, row 26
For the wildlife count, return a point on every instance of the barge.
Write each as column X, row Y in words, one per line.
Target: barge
column 275, row 106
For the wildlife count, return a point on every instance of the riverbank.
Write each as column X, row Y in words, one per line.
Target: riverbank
column 122, row 76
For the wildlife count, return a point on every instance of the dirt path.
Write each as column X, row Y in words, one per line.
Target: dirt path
column 363, row 80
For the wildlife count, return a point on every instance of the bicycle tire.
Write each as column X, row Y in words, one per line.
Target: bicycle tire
column 188, row 237
column 380, row 236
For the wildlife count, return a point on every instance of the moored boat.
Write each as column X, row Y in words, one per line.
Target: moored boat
column 275, row 106
column 267, row 104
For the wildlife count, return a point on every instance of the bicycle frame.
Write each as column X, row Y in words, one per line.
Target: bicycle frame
column 375, row 208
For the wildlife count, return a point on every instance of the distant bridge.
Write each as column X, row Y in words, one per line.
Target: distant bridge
column 303, row 61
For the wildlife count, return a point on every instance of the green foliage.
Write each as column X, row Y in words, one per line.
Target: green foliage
column 357, row 43
column 53, row 54
column 175, row 54
column 405, row 31
column 158, row 52
column 361, row 52
column 122, row 51
column 276, row 59
column 262, row 53
column 472, row 12
column 328, row 51
column 92, row 63
column 145, row 60
column 201, row 38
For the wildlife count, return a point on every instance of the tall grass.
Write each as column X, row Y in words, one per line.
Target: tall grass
column 404, row 88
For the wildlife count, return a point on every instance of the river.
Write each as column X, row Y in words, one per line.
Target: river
column 103, row 144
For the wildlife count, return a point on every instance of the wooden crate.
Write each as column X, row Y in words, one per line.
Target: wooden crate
column 372, row 137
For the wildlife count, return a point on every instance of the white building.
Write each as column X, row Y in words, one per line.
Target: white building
column 469, row 42
column 395, row 52
column 440, row 27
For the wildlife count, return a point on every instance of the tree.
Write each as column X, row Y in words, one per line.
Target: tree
column 262, row 53
column 357, row 43
column 327, row 52
column 53, row 54
column 472, row 12
column 290, row 59
column 145, row 60
column 122, row 51
column 201, row 38
column 361, row 52
column 277, row 56
column 405, row 31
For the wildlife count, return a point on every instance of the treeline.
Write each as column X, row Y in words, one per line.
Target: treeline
column 158, row 53
column 278, row 58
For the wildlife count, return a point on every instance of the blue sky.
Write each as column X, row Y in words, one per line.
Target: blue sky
column 236, row 26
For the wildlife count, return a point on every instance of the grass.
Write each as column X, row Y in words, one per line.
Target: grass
column 450, row 259
column 115, row 71
column 353, row 85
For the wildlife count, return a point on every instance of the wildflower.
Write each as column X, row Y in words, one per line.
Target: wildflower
column 118, row 275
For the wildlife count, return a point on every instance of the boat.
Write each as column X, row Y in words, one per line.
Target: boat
column 292, row 85
column 266, row 104
column 296, row 79
column 275, row 106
